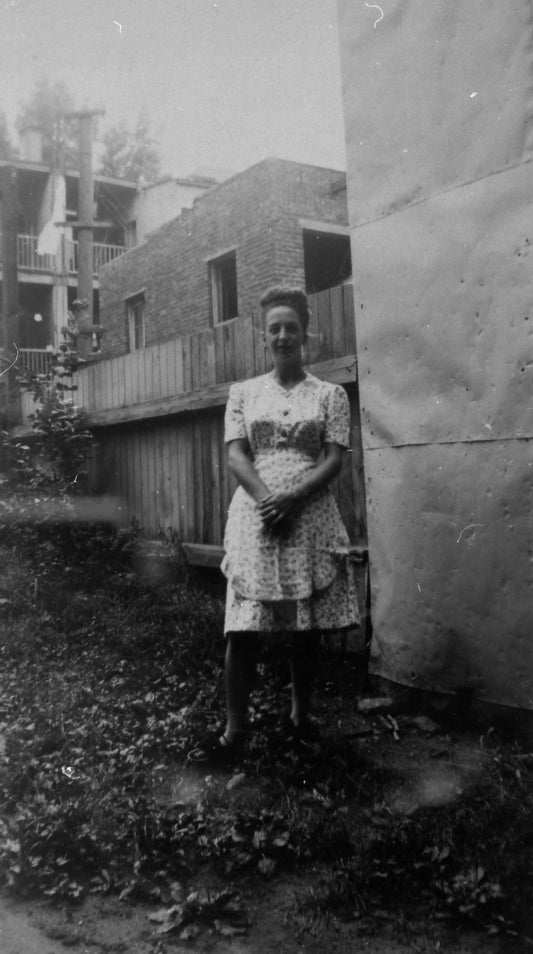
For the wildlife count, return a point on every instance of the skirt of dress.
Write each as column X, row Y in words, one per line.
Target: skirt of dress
column 329, row 610
column 299, row 579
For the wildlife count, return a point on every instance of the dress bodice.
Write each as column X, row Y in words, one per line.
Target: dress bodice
column 300, row 420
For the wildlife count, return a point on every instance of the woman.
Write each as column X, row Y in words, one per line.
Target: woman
column 286, row 547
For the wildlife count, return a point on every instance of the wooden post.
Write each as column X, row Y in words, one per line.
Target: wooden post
column 86, row 212
column 10, row 298
column 85, row 224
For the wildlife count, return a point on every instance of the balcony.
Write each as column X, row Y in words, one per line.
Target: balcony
column 29, row 260
column 35, row 360
column 102, row 255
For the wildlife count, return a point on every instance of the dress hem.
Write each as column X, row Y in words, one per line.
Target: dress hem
column 283, row 633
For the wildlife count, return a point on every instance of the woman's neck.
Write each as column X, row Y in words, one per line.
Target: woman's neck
column 288, row 374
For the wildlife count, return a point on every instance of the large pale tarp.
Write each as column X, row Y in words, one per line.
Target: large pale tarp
column 439, row 106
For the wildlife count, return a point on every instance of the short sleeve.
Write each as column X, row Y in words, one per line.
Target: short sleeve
column 337, row 429
column 234, row 426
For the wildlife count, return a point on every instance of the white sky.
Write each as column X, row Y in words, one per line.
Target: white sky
column 224, row 83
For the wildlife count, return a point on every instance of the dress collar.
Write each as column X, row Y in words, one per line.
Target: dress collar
column 271, row 378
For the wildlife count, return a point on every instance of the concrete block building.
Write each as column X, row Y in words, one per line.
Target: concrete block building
column 277, row 221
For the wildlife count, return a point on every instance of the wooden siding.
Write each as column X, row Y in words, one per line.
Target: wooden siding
column 158, row 418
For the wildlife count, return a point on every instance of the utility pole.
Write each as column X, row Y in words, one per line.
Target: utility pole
column 85, row 226
column 10, row 294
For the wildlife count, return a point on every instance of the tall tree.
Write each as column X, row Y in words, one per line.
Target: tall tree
column 129, row 155
column 46, row 108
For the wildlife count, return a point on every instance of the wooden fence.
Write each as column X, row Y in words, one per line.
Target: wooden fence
column 158, row 418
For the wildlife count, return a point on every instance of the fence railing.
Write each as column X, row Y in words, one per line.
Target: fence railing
column 194, row 370
column 102, row 254
column 34, row 359
column 29, row 259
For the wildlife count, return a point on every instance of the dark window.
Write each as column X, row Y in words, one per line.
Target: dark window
column 327, row 260
column 223, row 274
column 135, row 323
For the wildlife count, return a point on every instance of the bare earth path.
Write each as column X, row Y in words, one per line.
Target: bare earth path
column 427, row 768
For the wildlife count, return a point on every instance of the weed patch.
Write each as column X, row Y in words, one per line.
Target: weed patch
column 107, row 682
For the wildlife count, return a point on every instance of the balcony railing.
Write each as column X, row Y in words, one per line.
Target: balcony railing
column 102, row 255
column 28, row 258
column 36, row 360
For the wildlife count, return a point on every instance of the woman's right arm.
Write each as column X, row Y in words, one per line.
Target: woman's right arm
column 241, row 466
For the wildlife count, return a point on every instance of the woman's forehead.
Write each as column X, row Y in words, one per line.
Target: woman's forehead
column 280, row 313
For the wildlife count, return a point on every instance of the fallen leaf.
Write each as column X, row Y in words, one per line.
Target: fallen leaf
column 235, row 780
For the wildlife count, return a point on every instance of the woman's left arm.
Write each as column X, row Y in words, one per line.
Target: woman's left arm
column 275, row 507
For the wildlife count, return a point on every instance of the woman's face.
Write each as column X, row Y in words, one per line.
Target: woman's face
column 284, row 335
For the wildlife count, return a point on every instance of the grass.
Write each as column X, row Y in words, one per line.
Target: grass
column 107, row 680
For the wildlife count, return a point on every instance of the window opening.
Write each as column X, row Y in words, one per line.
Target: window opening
column 327, row 260
column 135, row 323
column 223, row 273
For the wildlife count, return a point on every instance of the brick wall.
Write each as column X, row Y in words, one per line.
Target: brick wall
column 256, row 213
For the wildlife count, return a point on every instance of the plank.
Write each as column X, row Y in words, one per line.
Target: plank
column 166, row 477
column 122, row 438
column 150, row 373
column 162, row 380
column 181, row 475
column 210, row 357
column 229, row 351
column 225, row 493
column 336, row 300
column 80, row 396
column 214, row 464
column 93, row 394
column 195, row 362
column 186, row 343
column 260, row 349
column 159, row 477
column 325, row 331
column 197, row 486
column 102, row 383
column 169, row 358
column 239, row 348
column 148, row 488
column 113, row 370
column 349, row 319
column 312, row 349
column 247, row 333
column 132, row 387
column 205, row 359
column 218, row 338
column 173, row 478
column 188, row 497
column 178, row 366
column 137, row 479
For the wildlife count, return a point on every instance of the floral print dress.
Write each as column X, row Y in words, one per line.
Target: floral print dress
column 297, row 578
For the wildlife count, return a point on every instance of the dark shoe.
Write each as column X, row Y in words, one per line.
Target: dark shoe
column 215, row 749
column 304, row 735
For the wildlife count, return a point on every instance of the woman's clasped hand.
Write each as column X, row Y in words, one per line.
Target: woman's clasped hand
column 277, row 507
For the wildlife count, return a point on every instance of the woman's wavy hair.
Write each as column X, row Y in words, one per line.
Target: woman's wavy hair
column 293, row 298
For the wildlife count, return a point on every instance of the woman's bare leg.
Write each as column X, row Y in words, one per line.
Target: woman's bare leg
column 240, row 666
column 304, row 662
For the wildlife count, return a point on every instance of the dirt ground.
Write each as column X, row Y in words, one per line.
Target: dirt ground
column 106, row 926
column 426, row 767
